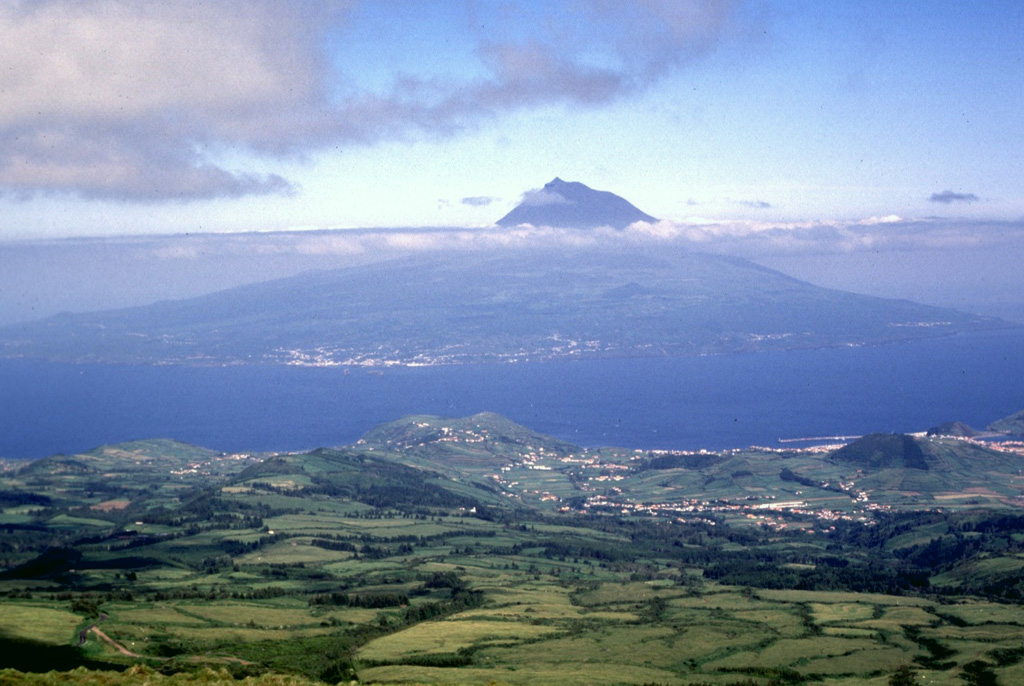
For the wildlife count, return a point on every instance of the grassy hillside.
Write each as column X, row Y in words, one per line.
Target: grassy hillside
column 1014, row 424
column 956, row 429
column 472, row 551
column 478, row 445
column 883, row 451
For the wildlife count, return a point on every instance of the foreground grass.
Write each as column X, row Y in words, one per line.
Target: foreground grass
column 142, row 675
column 532, row 621
column 252, row 578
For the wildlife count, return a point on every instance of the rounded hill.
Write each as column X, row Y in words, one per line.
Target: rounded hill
column 570, row 204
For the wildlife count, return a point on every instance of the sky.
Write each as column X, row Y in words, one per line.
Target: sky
column 124, row 118
column 154, row 150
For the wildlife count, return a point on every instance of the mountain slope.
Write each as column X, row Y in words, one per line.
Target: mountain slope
column 883, row 451
column 958, row 429
column 1014, row 424
column 929, row 466
column 571, row 204
column 511, row 306
column 361, row 477
column 474, row 446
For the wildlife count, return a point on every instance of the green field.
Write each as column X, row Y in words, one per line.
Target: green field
column 463, row 563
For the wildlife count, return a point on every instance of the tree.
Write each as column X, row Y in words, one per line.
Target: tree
column 904, row 676
column 979, row 673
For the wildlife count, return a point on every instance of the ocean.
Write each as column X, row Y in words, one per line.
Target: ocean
column 714, row 402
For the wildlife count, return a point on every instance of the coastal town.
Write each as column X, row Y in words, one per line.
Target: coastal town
column 772, row 487
column 547, row 348
column 777, row 488
column 605, row 484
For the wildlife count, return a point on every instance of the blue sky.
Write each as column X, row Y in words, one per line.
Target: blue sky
column 123, row 117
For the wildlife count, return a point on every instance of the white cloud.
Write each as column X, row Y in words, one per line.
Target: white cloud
column 816, row 251
column 125, row 99
column 887, row 219
column 141, row 101
column 479, row 200
column 891, row 233
column 541, row 197
column 119, row 60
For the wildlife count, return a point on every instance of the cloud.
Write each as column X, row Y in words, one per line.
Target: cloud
column 115, row 99
column 653, row 36
column 757, row 239
column 103, row 164
column 756, row 204
column 540, row 197
column 148, row 101
column 295, row 251
column 887, row 219
column 947, row 197
column 479, row 200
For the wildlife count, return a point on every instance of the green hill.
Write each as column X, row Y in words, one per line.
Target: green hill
column 480, row 444
column 1014, row 424
column 363, row 478
column 883, row 451
column 115, row 482
column 957, row 429
column 923, row 469
column 154, row 456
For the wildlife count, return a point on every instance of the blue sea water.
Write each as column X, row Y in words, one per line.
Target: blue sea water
column 711, row 402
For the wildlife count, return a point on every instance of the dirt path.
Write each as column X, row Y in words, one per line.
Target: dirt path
column 84, row 633
column 117, row 646
column 102, row 636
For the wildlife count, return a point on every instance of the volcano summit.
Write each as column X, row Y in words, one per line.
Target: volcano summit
column 570, row 204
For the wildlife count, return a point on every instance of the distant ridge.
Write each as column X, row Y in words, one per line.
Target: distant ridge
column 571, row 204
column 1014, row 424
column 958, row 429
column 508, row 306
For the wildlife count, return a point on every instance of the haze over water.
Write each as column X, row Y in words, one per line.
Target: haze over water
column 716, row 402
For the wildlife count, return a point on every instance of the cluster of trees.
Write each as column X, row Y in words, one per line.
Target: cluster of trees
column 788, row 474
column 338, row 545
column 369, row 600
column 856, row 558
column 234, row 548
column 860, row 578
column 205, row 510
column 52, row 563
column 461, row 600
column 221, row 593
column 370, row 546
column 15, row 498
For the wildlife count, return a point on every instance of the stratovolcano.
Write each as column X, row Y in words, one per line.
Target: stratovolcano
column 573, row 205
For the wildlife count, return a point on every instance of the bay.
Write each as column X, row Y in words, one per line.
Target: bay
column 716, row 402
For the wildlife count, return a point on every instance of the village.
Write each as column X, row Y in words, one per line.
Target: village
column 593, row 482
